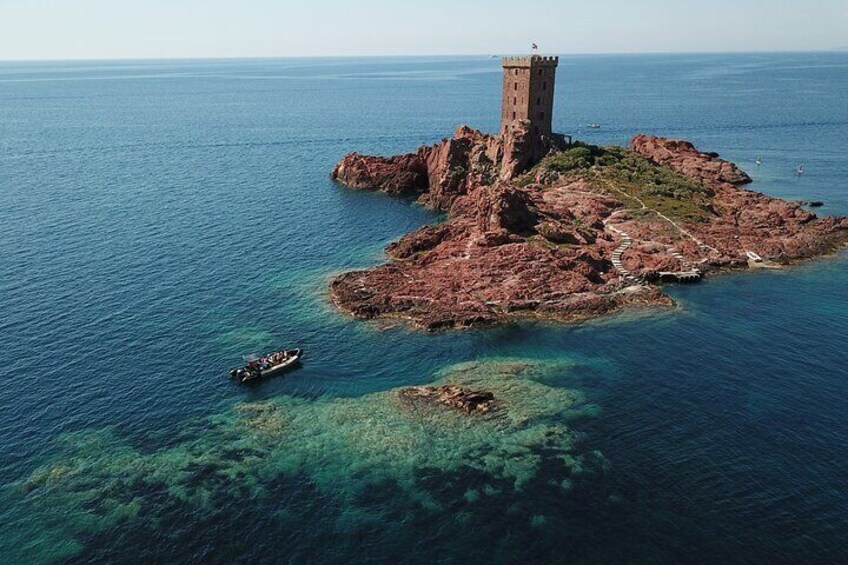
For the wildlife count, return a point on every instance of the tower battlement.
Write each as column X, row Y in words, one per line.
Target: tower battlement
column 530, row 61
column 528, row 93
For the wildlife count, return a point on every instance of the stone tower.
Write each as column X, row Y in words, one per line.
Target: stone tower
column 528, row 93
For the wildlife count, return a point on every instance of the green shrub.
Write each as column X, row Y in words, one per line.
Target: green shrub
column 660, row 188
column 575, row 158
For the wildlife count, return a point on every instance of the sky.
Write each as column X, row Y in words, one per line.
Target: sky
column 133, row 29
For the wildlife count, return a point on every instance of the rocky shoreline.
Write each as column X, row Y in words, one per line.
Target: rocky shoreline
column 538, row 228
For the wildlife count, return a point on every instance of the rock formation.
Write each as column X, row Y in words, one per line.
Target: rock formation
column 533, row 227
column 743, row 220
column 682, row 157
column 441, row 173
column 452, row 396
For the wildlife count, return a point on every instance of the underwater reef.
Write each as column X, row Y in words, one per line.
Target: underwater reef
column 405, row 442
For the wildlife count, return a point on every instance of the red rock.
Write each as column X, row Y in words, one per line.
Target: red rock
column 420, row 241
column 452, row 396
column 502, row 207
column 682, row 157
column 443, row 172
column 395, row 175
column 543, row 251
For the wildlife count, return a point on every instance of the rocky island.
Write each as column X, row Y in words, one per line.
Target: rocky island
column 539, row 226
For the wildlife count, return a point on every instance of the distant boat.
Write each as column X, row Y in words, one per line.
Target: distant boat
column 593, row 125
column 799, row 170
column 759, row 161
column 754, row 257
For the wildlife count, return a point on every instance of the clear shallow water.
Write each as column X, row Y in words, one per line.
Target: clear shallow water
column 159, row 219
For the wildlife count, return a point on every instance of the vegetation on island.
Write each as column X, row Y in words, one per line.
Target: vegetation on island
column 625, row 173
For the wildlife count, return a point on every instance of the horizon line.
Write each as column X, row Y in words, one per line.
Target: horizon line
column 420, row 55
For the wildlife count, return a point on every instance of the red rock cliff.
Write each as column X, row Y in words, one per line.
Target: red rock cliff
column 441, row 173
column 553, row 245
column 682, row 157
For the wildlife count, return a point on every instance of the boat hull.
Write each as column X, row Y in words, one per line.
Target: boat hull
column 294, row 361
column 279, row 368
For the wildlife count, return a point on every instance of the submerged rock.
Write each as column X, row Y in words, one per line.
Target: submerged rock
column 97, row 482
column 452, row 396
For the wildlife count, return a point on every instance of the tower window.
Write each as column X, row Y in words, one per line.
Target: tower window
column 513, row 115
column 538, row 101
column 516, row 86
column 545, row 85
column 515, row 101
column 515, row 72
column 541, row 115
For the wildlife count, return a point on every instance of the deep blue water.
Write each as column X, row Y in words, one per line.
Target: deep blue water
column 160, row 219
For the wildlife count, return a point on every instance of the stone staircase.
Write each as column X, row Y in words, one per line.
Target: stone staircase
column 625, row 244
column 689, row 274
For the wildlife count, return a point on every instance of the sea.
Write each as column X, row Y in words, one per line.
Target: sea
column 161, row 219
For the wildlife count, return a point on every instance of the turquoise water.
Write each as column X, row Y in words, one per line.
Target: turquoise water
column 160, row 219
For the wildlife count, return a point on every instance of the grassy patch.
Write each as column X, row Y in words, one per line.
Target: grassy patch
column 576, row 158
column 539, row 241
column 678, row 197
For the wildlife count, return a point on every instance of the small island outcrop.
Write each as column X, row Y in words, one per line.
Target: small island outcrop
column 451, row 396
column 540, row 228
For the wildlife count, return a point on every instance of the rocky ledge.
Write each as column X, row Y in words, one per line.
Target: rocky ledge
column 536, row 228
column 451, row 396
